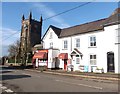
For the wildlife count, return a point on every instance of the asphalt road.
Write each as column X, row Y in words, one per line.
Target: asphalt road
column 26, row 81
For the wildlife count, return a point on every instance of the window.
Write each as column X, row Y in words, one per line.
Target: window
column 51, row 45
column 77, row 60
column 77, row 43
column 92, row 59
column 51, row 35
column 92, row 41
column 117, row 36
column 65, row 45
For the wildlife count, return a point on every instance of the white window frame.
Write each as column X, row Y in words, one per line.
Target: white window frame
column 77, row 43
column 51, row 44
column 93, row 59
column 92, row 41
column 117, row 36
column 65, row 44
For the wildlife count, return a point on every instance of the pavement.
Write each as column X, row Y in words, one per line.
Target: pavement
column 95, row 76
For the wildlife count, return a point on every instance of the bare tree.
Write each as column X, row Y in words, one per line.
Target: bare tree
column 14, row 49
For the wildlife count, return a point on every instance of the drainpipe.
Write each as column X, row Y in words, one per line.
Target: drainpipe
column 71, row 50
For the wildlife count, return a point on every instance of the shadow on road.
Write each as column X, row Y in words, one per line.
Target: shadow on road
column 20, row 67
column 10, row 77
column 5, row 72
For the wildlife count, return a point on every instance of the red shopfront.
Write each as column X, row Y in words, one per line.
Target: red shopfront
column 64, row 57
column 40, row 58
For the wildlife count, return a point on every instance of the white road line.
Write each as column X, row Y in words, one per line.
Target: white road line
column 80, row 84
column 3, row 87
column 91, row 86
column 8, row 90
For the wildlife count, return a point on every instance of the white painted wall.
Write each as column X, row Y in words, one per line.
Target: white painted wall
column 105, row 42
column 47, row 40
column 109, row 41
column 61, row 64
column 52, row 53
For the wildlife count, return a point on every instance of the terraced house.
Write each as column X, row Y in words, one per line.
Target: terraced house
column 89, row 47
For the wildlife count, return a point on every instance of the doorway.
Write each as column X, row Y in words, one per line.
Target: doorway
column 65, row 64
column 110, row 62
column 57, row 63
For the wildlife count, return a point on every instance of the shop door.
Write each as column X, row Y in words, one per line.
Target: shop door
column 110, row 62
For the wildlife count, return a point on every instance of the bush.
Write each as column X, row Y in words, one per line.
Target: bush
column 10, row 60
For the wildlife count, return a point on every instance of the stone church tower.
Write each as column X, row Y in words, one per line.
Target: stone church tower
column 30, row 35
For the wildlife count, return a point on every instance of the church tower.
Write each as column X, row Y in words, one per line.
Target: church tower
column 30, row 35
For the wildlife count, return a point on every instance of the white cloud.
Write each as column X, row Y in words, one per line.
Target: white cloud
column 8, row 36
column 48, row 12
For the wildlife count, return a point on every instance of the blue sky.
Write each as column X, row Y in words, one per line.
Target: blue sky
column 13, row 11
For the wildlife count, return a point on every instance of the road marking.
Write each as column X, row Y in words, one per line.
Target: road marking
column 3, row 87
column 80, row 84
column 0, row 85
column 8, row 90
column 91, row 86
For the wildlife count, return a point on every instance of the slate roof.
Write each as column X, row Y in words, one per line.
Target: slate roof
column 56, row 30
column 114, row 18
column 88, row 27
column 83, row 28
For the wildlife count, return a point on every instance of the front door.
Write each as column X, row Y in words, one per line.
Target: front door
column 110, row 62
column 65, row 64
column 56, row 63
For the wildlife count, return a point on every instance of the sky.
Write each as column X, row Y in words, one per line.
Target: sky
column 13, row 11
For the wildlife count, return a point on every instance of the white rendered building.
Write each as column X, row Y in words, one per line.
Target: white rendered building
column 89, row 47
